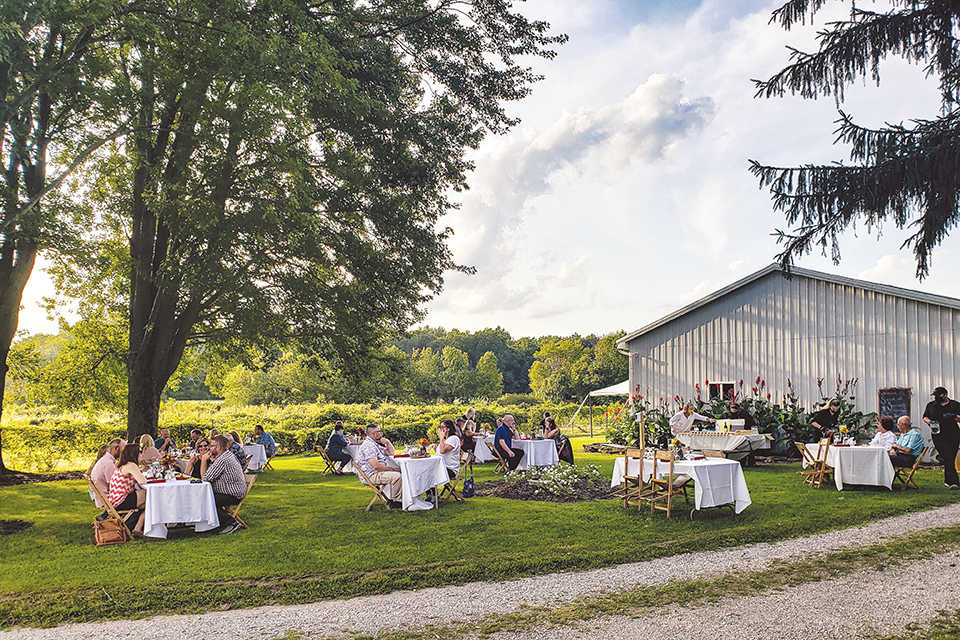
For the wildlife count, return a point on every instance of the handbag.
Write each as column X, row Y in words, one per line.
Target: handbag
column 108, row 532
column 469, row 487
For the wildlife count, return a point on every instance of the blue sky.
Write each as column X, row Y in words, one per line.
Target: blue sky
column 624, row 193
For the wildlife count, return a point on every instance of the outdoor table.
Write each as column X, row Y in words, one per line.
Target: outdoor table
column 259, row 453
column 858, row 464
column 176, row 501
column 420, row 475
column 480, row 451
column 717, row 481
column 734, row 445
column 536, row 453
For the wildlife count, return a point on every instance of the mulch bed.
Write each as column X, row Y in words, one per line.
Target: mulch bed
column 525, row 491
column 12, row 478
column 9, row 527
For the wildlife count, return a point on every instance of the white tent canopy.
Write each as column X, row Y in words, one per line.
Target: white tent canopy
column 619, row 389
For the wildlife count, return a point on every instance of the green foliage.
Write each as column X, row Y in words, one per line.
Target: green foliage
column 900, row 174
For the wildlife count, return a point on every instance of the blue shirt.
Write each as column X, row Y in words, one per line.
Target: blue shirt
column 268, row 443
column 911, row 440
column 336, row 444
column 503, row 433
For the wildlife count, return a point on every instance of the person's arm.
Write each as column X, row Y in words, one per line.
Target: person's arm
column 551, row 433
column 504, row 447
column 704, row 418
column 443, row 447
column 134, row 472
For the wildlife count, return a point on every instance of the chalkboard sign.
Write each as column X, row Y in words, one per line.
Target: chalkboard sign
column 894, row 402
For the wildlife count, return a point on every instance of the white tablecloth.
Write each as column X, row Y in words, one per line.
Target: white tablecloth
column 419, row 475
column 536, row 453
column 718, row 481
column 179, row 501
column 259, row 453
column 736, row 446
column 858, row 465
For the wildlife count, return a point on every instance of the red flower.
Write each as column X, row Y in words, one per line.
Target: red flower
column 768, row 396
column 758, row 380
column 741, row 382
column 676, row 398
column 706, row 382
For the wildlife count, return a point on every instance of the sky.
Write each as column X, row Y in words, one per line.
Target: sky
column 624, row 192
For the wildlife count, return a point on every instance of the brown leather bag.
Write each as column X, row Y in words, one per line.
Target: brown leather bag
column 108, row 532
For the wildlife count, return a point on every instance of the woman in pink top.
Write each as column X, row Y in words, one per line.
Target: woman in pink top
column 149, row 453
column 123, row 492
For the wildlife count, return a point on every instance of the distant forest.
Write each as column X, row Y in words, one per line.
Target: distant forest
column 83, row 368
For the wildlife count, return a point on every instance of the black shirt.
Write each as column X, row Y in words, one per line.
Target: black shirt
column 827, row 420
column 945, row 414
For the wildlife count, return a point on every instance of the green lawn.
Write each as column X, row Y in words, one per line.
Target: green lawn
column 311, row 539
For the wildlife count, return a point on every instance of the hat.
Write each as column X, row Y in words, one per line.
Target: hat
column 939, row 391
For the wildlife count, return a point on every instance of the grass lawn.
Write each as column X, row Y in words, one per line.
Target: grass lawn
column 311, row 539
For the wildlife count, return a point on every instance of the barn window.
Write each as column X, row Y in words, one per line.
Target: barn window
column 721, row 390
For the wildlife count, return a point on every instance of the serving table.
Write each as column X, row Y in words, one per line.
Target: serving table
column 858, row 464
column 259, row 453
column 179, row 501
column 734, row 445
column 717, row 481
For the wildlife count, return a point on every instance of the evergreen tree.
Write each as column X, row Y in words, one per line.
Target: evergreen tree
column 905, row 174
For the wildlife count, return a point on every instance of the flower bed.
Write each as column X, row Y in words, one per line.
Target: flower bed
column 558, row 483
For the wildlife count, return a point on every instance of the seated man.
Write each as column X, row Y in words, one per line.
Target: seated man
column 223, row 472
column 909, row 445
column 337, row 448
column 886, row 434
column 164, row 443
column 503, row 442
column 104, row 468
column 195, row 435
column 265, row 439
column 739, row 413
column 373, row 459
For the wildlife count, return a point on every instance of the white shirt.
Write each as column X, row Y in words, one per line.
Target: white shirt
column 451, row 459
column 885, row 439
column 680, row 423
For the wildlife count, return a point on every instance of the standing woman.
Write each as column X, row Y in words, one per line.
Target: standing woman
column 123, row 494
column 469, row 430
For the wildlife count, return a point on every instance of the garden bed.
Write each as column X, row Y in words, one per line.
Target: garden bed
column 559, row 483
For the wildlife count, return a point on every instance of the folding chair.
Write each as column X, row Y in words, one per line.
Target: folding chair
column 112, row 513
column 501, row 463
column 818, row 468
column 246, row 462
column 632, row 487
column 266, row 465
column 664, row 489
column 249, row 478
column 713, row 454
column 376, row 488
column 330, row 468
column 905, row 474
column 450, row 490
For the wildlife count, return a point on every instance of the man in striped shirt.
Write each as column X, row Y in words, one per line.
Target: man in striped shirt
column 224, row 473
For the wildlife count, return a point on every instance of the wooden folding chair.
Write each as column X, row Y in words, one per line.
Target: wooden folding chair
column 266, row 465
column 330, row 468
column 451, row 489
column 246, row 462
column 249, row 478
column 501, row 463
column 905, row 474
column 376, row 488
column 818, row 469
column 713, row 454
column 112, row 513
column 632, row 487
column 663, row 489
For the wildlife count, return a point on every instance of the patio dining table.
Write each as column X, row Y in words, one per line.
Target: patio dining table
column 717, row 481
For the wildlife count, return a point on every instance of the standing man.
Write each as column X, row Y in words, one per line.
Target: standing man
column 682, row 421
column 739, row 413
column 825, row 420
column 942, row 412
column 503, row 441
column 373, row 459
column 104, row 468
column 225, row 475
column 909, row 445
column 266, row 440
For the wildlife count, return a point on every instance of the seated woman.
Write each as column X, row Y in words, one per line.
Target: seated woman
column 886, row 434
column 336, row 448
column 148, row 452
column 123, row 494
column 236, row 448
column 193, row 467
column 449, row 447
column 552, row 432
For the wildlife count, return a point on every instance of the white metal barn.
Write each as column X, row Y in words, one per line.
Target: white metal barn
column 900, row 344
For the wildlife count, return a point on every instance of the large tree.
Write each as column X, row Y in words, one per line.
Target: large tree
column 49, row 78
column 289, row 165
column 905, row 174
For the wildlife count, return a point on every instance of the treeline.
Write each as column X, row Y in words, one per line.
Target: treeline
column 82, row 367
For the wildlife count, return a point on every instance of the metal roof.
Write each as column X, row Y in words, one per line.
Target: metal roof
column 909, row 294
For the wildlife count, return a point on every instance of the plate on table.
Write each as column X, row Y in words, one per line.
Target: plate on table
column 156, row 480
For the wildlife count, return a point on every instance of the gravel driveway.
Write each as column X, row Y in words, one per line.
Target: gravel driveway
column 845, row 607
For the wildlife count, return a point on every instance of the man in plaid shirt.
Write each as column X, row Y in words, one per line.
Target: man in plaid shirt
column 224, row 473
